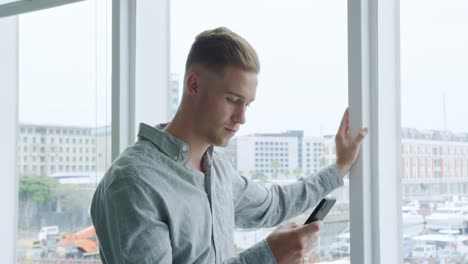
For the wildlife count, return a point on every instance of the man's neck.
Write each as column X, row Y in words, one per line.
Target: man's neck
column 183, row 132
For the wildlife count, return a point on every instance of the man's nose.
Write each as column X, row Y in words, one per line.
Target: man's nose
column 239, row 115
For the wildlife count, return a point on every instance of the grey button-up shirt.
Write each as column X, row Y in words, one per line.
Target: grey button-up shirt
column 151, row 207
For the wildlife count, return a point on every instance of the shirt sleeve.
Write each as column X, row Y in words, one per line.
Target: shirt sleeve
column 256, row 206
column 259, row 253
column 128, row 225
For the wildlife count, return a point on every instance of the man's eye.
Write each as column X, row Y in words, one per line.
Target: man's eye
column 232, row 100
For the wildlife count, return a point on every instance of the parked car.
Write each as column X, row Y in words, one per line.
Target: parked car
column 47, row 232
column 452, row 256
column 36, row 244
column 424, row 251
column 340, row 250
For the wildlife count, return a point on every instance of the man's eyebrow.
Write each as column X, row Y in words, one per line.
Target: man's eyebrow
column 240, row 96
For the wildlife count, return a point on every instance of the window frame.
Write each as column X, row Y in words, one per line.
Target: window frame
column 374, row 87
column 374, row 91
column 8, row 135
column 25, row 6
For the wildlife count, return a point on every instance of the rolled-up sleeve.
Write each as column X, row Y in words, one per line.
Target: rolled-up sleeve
column 256, row 206
column 259, row 253
column 128, row 224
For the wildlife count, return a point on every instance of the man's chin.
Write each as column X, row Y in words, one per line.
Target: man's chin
column 222, row 142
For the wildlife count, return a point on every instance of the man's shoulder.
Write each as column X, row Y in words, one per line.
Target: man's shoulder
column 133, row 162
column 219, row 158
column 221, row 161
column 138, row 156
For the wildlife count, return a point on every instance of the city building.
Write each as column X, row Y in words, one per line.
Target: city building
column 173, row 95
column 46, row 150
column 313, row 154
column 282, row 155
column 433, row 163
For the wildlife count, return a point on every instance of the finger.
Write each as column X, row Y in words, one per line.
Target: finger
column 347, row 129
column 311, row 228
column 361, row 136
column 287, row 226
column 293, row 225
column 343, row 124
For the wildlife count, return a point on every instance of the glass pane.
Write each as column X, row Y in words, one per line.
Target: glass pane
column 8, row 1
column 63, row 129
column 301, row 95
column 434, row 147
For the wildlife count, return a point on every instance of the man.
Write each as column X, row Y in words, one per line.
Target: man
column 170, row 198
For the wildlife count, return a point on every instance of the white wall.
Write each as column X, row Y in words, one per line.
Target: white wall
column 8, row 132
column 152, row 77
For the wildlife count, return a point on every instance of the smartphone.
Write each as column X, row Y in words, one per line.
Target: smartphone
column 321, row 210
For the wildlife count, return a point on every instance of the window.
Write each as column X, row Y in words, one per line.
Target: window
column 317, row 57
column 433, row 72
column 64, row 79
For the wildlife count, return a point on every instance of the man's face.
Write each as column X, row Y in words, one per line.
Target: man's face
column 221, row 104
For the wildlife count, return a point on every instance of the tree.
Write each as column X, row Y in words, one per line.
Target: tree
column 263, row 178
column 34, row 191
column 256, row 174
column 36, row 188
column 323, row 162
column 275, row 164
column 287, row 173
column 75, row 201
column 297, row 172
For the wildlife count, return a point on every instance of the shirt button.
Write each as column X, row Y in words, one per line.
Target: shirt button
column 188, row 167
column 175, row 158
column 184, row 148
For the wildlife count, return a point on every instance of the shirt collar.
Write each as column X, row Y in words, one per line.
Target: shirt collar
column 171, row 146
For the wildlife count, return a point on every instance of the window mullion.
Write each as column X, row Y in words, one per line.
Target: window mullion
column 373, row 39
column 8, row 136
column 152, row 62
column 25, row 6
column 123, row 74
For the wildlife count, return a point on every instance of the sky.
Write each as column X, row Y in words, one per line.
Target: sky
column 302, row 46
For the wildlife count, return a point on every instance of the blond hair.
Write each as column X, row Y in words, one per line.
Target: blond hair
column 220, row 47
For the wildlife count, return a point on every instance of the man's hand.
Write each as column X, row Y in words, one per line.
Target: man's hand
column 347, row 149
column 290, row 242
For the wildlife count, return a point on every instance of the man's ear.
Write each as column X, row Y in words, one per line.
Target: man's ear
column 193, row 82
